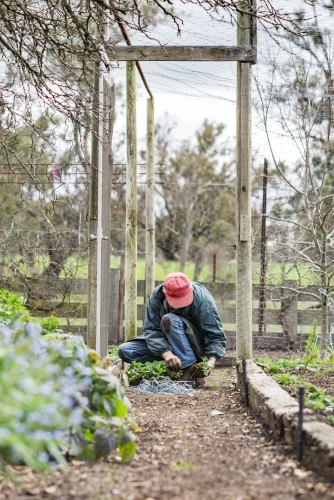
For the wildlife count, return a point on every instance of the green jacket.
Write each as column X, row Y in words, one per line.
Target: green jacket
column 204, row 328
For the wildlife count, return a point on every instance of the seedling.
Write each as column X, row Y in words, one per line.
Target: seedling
column 182, row 466
column 147, row 371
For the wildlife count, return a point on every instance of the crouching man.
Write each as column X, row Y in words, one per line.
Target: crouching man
column 181, row 326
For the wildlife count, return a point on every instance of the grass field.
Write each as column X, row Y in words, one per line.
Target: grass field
column 78, row 268
column 276, row 271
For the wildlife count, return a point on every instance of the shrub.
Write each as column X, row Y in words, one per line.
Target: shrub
column 11, row 306
column 50, row 325
column 57, row 399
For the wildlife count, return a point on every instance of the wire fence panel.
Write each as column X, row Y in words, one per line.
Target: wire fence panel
column 286, row 329
column 43, row 238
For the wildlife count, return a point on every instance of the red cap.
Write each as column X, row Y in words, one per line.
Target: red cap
column 178, row 290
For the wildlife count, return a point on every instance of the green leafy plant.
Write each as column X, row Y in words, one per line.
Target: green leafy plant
column 50, row 325
column 312, row 350
column 113, row 354
column 315, row 397
column 286, row 379
column 205, row 367
column 58, row 399
column 147, row 371
column 12, row 307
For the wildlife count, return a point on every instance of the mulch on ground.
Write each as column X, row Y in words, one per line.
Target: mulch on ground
column 184, row 453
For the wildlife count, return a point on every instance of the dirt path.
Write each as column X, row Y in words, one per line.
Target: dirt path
column 184, row 453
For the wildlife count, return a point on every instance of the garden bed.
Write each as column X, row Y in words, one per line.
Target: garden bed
column 317, row 376
column 183, row 452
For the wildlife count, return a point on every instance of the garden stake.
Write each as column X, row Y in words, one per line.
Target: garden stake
column 244, row 372
column 301, row 391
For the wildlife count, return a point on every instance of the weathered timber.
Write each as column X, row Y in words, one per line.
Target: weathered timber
column 243, row 195
column 93, row 215
column 245, row 53
column 149, row 203
column 113, row 311
column 131, row 206
column 107, row 105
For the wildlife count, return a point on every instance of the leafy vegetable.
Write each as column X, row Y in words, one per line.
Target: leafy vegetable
column 147, row 371
column 205, row 367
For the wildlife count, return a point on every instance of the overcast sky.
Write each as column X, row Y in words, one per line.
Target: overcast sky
column 192, row 92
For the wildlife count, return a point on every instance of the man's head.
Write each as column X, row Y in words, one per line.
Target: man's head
column 178, row 290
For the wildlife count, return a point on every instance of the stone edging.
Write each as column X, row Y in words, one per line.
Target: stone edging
column 280, row 411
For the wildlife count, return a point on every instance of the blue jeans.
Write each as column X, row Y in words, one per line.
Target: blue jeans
column 175, row 331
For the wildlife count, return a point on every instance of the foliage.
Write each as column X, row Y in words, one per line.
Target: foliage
column 146, row 371
column 159, row 369
column 312, row 349
column 310, row 360
column 57, row 399
column 11, row 305
column 50, row 325
column 205, row 367
column 198, row 181
column 113, row 354
column 298, row 97
column 315, row 397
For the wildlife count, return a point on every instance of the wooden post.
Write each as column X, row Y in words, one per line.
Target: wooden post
column 121, row 299
column 106, row 109
column 150, row 214
column 243, row 194
column 262, row 291
column 114, row 301
column 99, row 215
column 131, row 205
column 92, row 216
column 214, row 267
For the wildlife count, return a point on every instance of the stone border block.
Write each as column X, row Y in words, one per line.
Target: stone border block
column 280, row 411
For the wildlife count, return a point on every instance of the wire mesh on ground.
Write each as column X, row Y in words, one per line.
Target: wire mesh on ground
column 164, row 386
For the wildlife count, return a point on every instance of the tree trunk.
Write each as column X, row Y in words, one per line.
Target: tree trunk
column 324, row 301
column 187, row 238
column 198, row 265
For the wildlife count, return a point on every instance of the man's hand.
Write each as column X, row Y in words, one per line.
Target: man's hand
column 211, row 363
column 173, row 362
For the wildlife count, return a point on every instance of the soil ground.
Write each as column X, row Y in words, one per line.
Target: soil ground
column 184, row 453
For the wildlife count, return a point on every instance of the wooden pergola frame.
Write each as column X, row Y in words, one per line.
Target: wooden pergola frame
column 245, row 54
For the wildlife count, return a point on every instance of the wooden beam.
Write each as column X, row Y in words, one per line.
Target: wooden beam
column 107, row 106
column 243, row 194
column 149, row 202
column 131, row 205
column 245, row 53
column 93, row 215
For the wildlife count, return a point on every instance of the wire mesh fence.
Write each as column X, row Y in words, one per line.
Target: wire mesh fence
column 44, row 254
column 43, row 237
